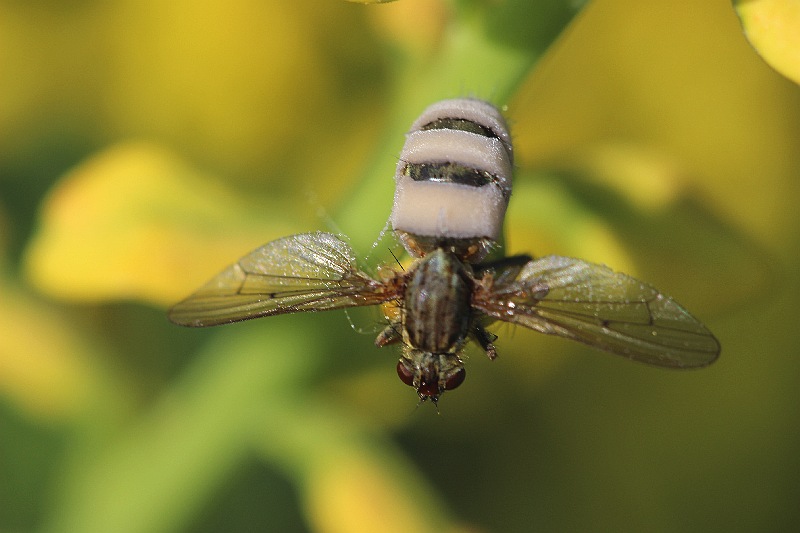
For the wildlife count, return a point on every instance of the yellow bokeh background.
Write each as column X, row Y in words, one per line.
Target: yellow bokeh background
column 146, row 145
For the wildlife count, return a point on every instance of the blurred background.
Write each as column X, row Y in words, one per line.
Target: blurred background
column 146, row 145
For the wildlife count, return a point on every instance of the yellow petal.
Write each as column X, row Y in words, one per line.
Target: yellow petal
column 773, row 28
column 136, row 222
column 354, row 495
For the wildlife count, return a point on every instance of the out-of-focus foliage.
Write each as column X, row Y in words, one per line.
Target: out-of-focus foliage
column 135, row 201
column 146, row 145
column 371, row 1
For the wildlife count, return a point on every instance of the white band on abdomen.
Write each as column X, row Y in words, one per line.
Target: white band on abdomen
column 467, row 149
column 448, row 209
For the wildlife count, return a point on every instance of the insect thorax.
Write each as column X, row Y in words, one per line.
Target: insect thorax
column 437, row 312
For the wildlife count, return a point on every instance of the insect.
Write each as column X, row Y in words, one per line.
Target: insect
column 453, row 183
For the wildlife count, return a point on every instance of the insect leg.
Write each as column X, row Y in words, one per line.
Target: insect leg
column 390, row 335
column 485, row 340
column 504, row 270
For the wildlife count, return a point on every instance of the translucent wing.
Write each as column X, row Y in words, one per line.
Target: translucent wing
column 305, row 272
column 606, row 309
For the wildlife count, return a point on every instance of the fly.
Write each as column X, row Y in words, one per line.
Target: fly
column 453, row 183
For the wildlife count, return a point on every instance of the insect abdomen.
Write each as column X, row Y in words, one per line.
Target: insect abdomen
column 453, row 179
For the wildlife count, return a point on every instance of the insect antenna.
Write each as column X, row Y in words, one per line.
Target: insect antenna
column 435, row 403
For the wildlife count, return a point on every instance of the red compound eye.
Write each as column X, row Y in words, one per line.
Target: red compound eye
column 455, row 380
column 406, row 375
